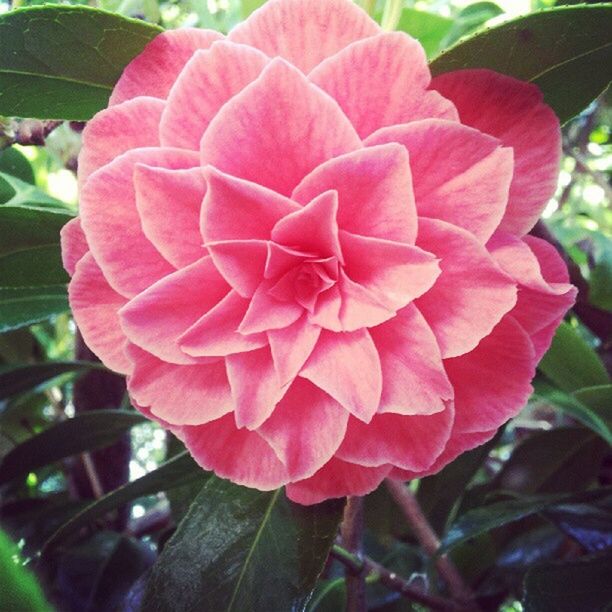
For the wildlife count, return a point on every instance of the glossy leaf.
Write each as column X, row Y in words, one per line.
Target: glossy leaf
column 20, row 306
column 61, row 62
column 15, row 163
column 599, row 399
column 242, row 549
column 470, row 18
column 428, row 28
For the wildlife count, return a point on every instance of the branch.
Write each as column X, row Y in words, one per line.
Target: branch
column 27, row 132
column 352, row 536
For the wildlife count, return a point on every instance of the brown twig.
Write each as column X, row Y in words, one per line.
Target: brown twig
column 27, row 132
column 351, row 531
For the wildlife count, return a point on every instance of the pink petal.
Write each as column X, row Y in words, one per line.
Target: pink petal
column 336, row 478
column 305, row 429
column 380, row 81
column 169, row 203
column 282, row 259
column 470, row 296
column 291, row 347
column 208, row 80
column 111, row 222
column 215, row 334
column 155, row 69
column 374, row 188
column 255, row 386
column 360, row 307
column 346, row 365
column 396, row 273
column 302, row 31
column 157, row 317
column 180, row 394
column 74, row 244
column 117, row 129
column 251, row 462
column 408, row 442
column 554, row 269
column 512, row 111
column 235, row 209
column 327, row 310
column 459, row 175
column 492, row 382
column 312, row 228
column 277, row 130
column 414, row 379
column 94, row 307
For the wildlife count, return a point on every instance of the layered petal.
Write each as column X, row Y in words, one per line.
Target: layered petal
column 514, row 112
column 74, row 244
column 380, row 81
column 359, row 307
column 277, row 130
column 304, row 32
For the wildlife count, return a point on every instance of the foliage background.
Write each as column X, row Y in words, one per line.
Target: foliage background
column 90, row 493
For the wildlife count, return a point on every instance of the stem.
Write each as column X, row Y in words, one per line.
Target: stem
column 352, row 536
column 428, row 539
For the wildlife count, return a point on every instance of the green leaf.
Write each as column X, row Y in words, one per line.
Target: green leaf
column 61, row 62
column 242, row 549
column 176, row 472
column 583, row 584
column 600, row 279
column 428, row 28
column 571, row 363
column 248, row 6
column 15, row 163
column 551, row 48
column 26, row 305
column 599, row 399
column 470, row 18
column 84, row 432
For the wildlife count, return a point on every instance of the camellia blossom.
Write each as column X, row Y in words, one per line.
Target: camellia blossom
column 309, row 258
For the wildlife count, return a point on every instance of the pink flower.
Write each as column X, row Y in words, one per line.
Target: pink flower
column 308, row 258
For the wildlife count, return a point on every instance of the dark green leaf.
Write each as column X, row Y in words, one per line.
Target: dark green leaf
column 470, row 18
column 329, row 596
column 428, row 28
column 61, row 62
column 599, row 399
column 26, row 305
column 551, row 48
column 15, row 163
column 17, row 192
column 242, row 549
column 600, row 279
column 84, row 432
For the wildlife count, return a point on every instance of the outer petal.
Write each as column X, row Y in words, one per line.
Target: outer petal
column 374, row 188
column 277, row 130
column 117, row 129
column 74, row 244
column 94, row 306
column 112, row 224
column 154, row 70
column 459, row 174
column 157, row 317
column 208, row 80
column 512, row 111
column 380, row 81
column 414, row 379
column 346, row 365
column 492, row 382
column 180, row 394
column 360, row 307
column 462, row 308
column 336, row 478
column 302, row 31
column 251, row 463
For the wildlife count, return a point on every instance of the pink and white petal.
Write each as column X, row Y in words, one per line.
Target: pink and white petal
column 94, row 306
column 180, row 394
column 215, row 334
column 169, row 203
column 265, row 312
column 407, row 442
column 255, row 386
column 414, row 379
column 514, row 112
column 313, row 228
column 462, row 308
column 111, row 222
column 282, row 259
column 130, row 125
column 252, row 462
column 346, row 366
column 327, row 310
column 155, row 69
column 336, row 478
column 156, row 318
column 208, row 80
column 459, row 174
column 241, row 262
column 74, row 244
column 235, row 209
column 554, row 269
column 374, row 188
column 304, row 32
column 396, row 273
column 380, row 81
column 542, row 339
column 492, row 382
column 277, row 130
column 305, row 429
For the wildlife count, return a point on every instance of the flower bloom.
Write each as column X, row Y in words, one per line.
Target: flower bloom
column 308, row 257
